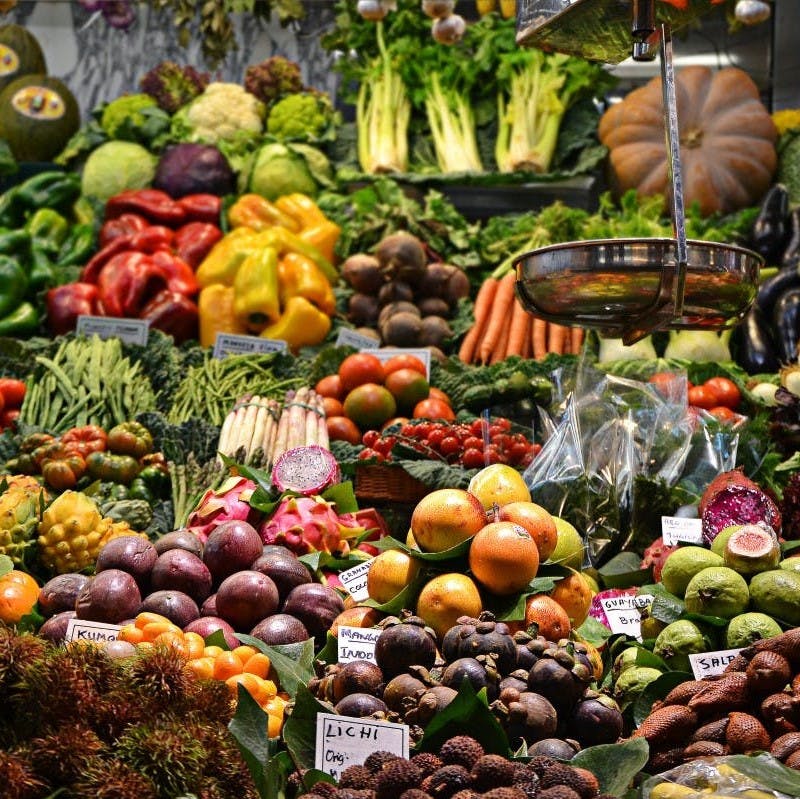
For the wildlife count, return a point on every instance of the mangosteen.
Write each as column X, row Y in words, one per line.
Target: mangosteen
column 596, row 720
column 360, row 705
column 482, row 636
column 432, row 701
column 401, row 329
column 363, row 309
column 530, row 718
column 555, row 682
column 357, row 677
column 556, row 748
column 363, row 273
column 512, row 686
column 401, row 690
column 402, row 257
column 474, row 672
column 405, row 644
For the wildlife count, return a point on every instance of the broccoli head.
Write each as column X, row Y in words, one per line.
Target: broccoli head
column 273, row 78
column 301, row 117
column 124, row 113
column 173, row 86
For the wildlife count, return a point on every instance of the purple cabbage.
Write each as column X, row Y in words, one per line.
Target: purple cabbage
column 191, row 168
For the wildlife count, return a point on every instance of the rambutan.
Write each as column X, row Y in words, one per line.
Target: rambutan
column 113, row 780
column 61, row 757
column 160, row 677
column 223, row 763
column 18, row 778
column 210, row 699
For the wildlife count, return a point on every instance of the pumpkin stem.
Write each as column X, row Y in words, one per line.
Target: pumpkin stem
column 692, row 138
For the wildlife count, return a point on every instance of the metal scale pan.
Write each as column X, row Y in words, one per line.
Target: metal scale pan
column 631, row 287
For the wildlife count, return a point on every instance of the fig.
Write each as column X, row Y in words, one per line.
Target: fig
column 110, row 596
column 206, row 625
column 132, row 554
column 315, row 605
column 284, row 569
column 596, row 720
column 363, row 309
column 280, row 629
column 55, row 628
column 751, row 549
column 179, row 539
column 59, row 593
column 556, row 748
column 357, row 677
column 405, row 644
column 433, row 306
column 401, row 329
column 400, row 690
column 245, row 598
column 402, row 257
column 395, row 291
column 434, row 330
column 180, row 570
column 231, row 547
column 395, row 308
column 178, row 607
column 360, row 705
column 363, row 273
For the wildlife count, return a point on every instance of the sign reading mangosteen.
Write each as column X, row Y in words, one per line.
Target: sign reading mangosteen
column 710, row 664
column 129, row 331
column 623, row 613
column 343, row 742
column 93, row 632
column 355, row 581
column 384, row 353
column 347, row 337
column 678, row 530
column 231, row 344
column 356, row 643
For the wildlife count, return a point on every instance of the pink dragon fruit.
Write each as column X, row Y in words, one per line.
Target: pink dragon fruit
column 308, row 524
column 306, row 470
column 597, row 609
column 228, row 502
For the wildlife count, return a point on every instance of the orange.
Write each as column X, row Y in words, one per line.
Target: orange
column 574, row 595
column 536, row 520
column 548, row 615
column 226, row 664
column 433, row 408
column 389, row 573
column 446, row 517
column 503, row 557
column 360, row 368
column 405, row 361
column 18, row 594
column 257, row 664
column 446, row 597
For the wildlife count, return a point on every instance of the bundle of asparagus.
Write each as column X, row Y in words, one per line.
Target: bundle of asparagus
column 302, row 422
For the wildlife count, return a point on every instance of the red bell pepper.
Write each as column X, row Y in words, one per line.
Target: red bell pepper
column 122, row 226
column 91, row 271
column 172, row 313
column 152, row 239
column 154, row 205
column 66, row 303
column 194, row 241
column 179, row 275
column 201, row 208
column 128, row 282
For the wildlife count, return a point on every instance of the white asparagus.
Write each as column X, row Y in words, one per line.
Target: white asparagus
column 240, row 410
column 282, row 435
column 323, row 439
column 258, row 429
column 225, row 433
column 297, row 426
column 245, row 433
column 311, row 419
column 270, row 431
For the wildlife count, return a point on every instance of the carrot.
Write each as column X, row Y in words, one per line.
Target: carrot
column 556, row 336
column 500, row 310
column 483, row 304
column 519, row 327
column 501, row 350
column 576, row 344
column 539, row 338
column 527, row 346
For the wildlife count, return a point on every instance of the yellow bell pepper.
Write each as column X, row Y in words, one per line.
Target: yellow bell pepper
column 215, row 307
column 302, row 324
column 226, row 256
column 258, row 213
column 285, row 241
column 299, row 276
column 256, row 299
column 323, row 236
column 302, row 208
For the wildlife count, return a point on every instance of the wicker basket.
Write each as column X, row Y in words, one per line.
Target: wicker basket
column 388, row 483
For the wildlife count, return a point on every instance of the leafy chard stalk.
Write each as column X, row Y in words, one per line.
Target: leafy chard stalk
column 383, row 111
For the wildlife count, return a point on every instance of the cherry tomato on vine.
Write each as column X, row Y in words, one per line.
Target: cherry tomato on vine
column 370, row 437
column 450, row 445
column 723, row 414
column 726, row 391
column 473, row 458
column 702, row 397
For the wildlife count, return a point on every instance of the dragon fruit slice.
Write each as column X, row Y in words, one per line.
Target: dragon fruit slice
column 721, row 482
column 230, row 501
column 656, row 555
column 597, row 609
column 738, row 504
column 306, row 470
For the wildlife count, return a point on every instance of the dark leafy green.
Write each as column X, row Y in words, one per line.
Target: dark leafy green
column 300, row 729
column 293, row 663
column 614, row 765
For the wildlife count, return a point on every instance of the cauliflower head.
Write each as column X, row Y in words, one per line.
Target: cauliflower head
column 300, row 117
column 221, row 113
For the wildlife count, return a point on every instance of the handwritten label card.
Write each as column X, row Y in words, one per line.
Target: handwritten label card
column 710, row 664
column 231, row 344
column 343, row 742
column 355, row 580
column 93, row 632
column 389, row 352
column 347, row 337
column 129, row 331
column 357, row 643
column 677, row 530
column 624, row 613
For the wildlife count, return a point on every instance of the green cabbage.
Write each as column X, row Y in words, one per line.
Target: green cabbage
column 116, row 166
column 280, row 169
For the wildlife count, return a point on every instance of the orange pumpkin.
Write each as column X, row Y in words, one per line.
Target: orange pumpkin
column 727, row 139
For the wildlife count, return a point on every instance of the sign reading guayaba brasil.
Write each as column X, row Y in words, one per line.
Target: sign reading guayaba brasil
column 356, row 643
column 129, row 331
column 92, row 631
column 624, row 613
column 343, row 742
column 231, row 344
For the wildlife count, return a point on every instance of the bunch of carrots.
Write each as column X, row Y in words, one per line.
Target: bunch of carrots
column 503, row 328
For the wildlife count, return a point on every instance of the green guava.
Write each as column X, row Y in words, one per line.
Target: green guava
column 718, row 544
column 625, row 660
column 790, row 564
column 777, row 593
column 683, row 564
column 718, row 591
column 679, row 640
column 748, row 628
column 632, row 683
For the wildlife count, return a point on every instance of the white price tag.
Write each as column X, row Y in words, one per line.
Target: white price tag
column 677, row 530
column 231, row 344
column 94, row 632
column 347, row 337
column 389, row 352
column 710, row 664
column 356, row 643
column 343, row 742
column 129, row 331
column 355, row 581
column 623, row 613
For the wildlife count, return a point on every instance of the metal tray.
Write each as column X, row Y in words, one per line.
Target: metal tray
column 615, row 285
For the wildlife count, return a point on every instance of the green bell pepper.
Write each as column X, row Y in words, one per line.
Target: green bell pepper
column 23, row 320
column 138, row 489
column 78, row 247
column 156, row 480
column 48, row 229
column 13, row 284
column 15, row 242
column 40, row 272
column 11, row 210
column 49, row 190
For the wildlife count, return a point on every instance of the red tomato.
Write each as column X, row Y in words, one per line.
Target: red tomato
column 702, row 397
column 8, row 418
column 13, row 391
column 404, row 361
column 433, row 409
column 726, row 391
column 723, row 414
column 663, row 381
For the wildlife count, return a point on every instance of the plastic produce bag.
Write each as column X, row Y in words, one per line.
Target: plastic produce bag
column 732, row 777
